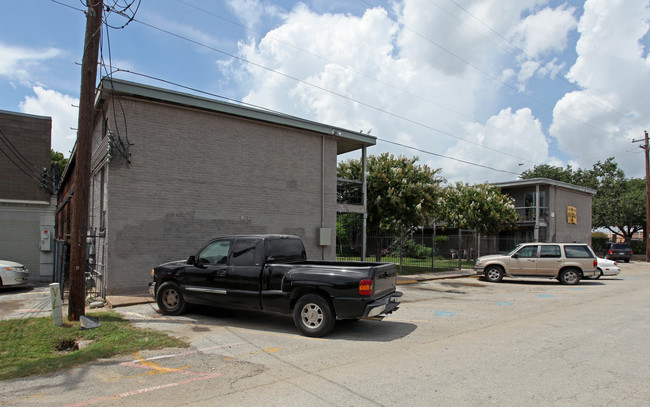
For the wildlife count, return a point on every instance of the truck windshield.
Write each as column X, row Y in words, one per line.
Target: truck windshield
column 285, row 250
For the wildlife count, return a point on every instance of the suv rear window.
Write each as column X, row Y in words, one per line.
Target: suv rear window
column 578, row 252
column 620, row 246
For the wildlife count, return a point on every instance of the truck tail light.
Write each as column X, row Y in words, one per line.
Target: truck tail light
column 365, row 287
column 631, row 251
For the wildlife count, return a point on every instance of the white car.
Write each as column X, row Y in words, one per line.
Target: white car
column 12, row 273
column 607, row 268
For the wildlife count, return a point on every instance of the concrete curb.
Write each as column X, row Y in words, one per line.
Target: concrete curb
column 416, row 278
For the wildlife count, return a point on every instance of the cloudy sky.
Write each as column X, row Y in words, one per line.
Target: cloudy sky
column 483, row 89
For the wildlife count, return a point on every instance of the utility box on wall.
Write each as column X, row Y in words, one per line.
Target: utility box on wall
column 46, row 238
column 325, row 237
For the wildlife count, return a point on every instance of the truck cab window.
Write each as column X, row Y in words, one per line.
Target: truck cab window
column 215, row 253
column 243, row 253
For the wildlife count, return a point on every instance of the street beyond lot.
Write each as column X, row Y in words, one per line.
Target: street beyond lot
column 453, row 342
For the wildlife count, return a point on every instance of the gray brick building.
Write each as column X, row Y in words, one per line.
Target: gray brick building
column 26, row 208
column 171, row 170
column 550, row 211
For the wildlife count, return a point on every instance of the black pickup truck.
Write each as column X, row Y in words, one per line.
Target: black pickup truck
column 272, row 273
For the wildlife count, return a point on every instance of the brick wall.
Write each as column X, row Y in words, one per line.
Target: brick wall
column 30, row 135
column 195, row 175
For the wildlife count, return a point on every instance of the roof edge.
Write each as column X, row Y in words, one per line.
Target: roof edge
column 139, row 90
column 546, row 181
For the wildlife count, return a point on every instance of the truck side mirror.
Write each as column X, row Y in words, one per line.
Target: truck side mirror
column 191, row 260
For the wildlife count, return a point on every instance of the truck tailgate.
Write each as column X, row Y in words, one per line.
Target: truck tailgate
column 385, row 279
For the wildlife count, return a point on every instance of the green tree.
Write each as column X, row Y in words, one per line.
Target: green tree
column 401, row 193
column 58, row 163
column 620, row 207
column 480, row 207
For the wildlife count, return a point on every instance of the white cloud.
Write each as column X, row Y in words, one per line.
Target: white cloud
column 545, row 31
column 519, row 134
column 18, row 63
column 252, row 12
column 369, row 71
column 611, row 67
column 47, row 102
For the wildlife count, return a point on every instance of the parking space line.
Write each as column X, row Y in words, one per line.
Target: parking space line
column 265, row 350
column 143, row 390
column 200, row 350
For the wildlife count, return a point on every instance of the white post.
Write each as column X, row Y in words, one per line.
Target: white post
column 55, row 297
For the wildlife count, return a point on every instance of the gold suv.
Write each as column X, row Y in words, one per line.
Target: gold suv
column 567, row 262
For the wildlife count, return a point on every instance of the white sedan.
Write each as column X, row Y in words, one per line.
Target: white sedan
column 12, row 273
column 607, row 268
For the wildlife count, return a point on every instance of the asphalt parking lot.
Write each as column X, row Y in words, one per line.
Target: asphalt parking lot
column 461, row 341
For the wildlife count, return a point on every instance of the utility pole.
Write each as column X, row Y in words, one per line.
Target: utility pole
column 79, row 221
column 646, row 231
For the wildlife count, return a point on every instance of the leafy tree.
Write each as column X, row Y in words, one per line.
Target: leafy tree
column 620, row 207
column 482, row 207
column 58, row 163
column 401, row 194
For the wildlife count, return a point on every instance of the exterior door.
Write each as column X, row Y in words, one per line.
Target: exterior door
column 524, row 261
column 550, row 260
column 244, row 274
column 206, row 280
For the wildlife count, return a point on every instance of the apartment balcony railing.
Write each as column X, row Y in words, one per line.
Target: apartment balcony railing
column 349, row 192
column 527, row 214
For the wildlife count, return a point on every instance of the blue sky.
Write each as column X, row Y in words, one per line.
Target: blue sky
column 483, row 89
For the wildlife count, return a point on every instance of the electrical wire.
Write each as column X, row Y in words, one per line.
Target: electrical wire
column 480, row 70
column 351, row 99
column 21, row 165
column 539, row 64
column 355, row 71
column 132, row 18
column 304, row 120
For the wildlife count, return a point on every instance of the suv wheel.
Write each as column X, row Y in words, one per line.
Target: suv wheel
column 569, row 276
column 494, row 274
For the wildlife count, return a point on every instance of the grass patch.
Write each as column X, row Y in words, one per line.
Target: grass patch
column 35, row 346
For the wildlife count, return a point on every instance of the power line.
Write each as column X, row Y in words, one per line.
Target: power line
column 478, row 69
column 329, row 91
column 535, row 60
column 447, row 157
column 284, row 114
column 353, row 70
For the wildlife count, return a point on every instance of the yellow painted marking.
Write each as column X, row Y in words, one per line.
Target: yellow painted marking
column 155, row 369
column 265, row 350
column 407, row 282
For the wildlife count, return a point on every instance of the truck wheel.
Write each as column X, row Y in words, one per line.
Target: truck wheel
column 170, row 299
column 494, row 274
column 569, row 277
column 313, row 315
